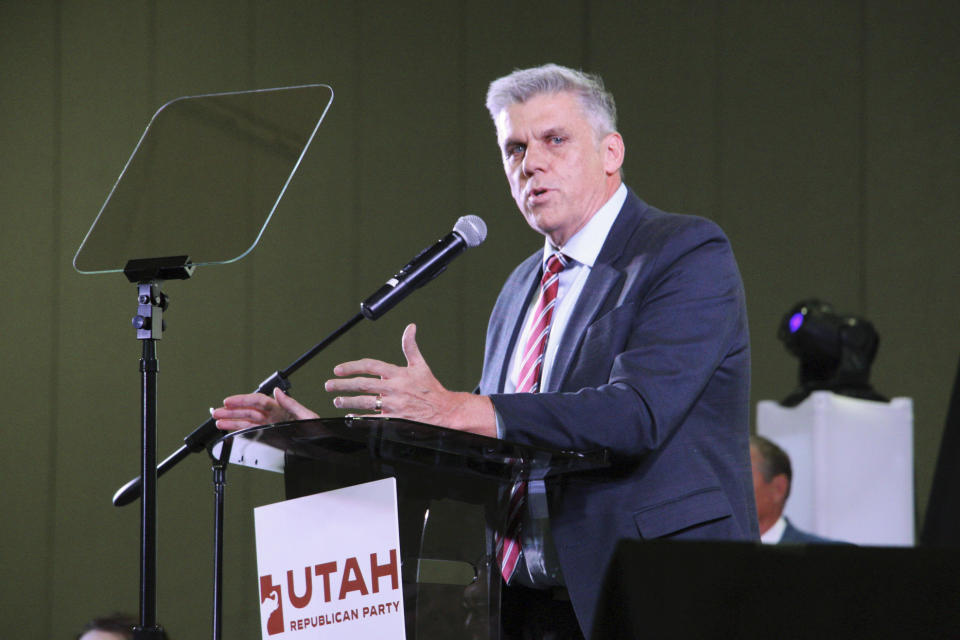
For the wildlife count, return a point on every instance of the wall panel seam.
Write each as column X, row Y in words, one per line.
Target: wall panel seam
column 55, row 313
column 863, row 128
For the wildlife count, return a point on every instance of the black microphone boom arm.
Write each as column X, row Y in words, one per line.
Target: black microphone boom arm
column 469, row 231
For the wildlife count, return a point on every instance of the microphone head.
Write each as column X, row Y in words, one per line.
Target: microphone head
column 472, row 229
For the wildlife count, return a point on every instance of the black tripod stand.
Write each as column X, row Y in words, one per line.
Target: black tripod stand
column 149, row 324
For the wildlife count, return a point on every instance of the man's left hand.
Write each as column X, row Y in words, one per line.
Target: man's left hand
column 411, row 392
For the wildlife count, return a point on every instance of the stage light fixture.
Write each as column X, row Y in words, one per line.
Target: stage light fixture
column 835, row 351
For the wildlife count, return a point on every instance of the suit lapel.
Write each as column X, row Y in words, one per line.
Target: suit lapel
column 603, row 279
column 509, row 314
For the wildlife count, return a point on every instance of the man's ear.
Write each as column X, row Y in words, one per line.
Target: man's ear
column 780, row 485
column 613, row 153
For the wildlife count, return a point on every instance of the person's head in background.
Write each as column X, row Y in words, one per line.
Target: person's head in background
column 115, row 627
column 772, row 476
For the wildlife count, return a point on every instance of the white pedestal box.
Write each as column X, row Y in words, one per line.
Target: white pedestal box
column 852, row 466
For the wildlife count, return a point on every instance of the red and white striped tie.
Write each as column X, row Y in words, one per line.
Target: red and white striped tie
column 528, row 381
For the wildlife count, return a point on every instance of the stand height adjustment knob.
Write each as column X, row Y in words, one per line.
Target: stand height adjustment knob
column 145, row 323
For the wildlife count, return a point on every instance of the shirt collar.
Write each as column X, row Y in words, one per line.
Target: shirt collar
column 585, row 245
column 774, row 533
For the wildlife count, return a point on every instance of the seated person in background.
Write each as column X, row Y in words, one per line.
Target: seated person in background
column 772, row 476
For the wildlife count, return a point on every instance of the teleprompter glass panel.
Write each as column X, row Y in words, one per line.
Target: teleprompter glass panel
column 205, row 178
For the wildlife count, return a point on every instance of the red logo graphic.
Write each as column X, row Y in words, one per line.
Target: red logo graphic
column 271, row 592
column 352, row 580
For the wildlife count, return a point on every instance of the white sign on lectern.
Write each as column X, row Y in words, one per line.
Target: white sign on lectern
column 329, row 565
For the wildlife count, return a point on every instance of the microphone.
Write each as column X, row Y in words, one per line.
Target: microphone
column 469, row 231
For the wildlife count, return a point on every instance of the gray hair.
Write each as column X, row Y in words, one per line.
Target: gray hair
column 523, row 84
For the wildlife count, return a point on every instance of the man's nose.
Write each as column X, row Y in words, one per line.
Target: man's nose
column 534, row 159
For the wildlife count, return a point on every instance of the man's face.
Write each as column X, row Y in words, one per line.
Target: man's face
column 559, row 173
column 770, row 494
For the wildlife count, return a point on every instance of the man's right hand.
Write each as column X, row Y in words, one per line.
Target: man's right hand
column 257, row 409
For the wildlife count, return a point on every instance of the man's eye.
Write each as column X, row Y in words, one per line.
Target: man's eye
column 515, row 150
column 556, row 139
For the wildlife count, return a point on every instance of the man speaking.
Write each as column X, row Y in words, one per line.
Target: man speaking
column 626, row 332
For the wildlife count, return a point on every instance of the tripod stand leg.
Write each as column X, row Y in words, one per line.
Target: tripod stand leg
column 219, row 486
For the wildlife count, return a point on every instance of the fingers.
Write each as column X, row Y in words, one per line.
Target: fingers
column 253, row 400
column 362, row 403
column 257, row 409
column 374, row 390
column 239, row 417
column 227, row 424
column 293, row 407
column 378, row 368
column 366, row 367
column 409, row 345
column 249, row 410
column 373, row 386
column 241, row 414
column 388, row 389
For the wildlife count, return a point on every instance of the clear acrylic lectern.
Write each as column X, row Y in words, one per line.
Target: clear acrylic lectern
column 449, row 487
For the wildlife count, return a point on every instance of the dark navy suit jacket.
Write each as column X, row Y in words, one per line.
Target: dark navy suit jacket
column 792, row 535
column 654, row 366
